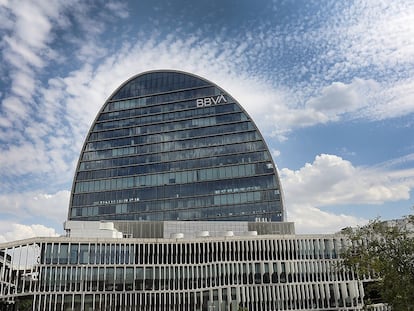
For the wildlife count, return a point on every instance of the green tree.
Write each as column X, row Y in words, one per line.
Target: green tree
column 384, row 252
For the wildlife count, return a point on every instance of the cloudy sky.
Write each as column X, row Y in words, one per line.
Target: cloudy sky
column 330, row 84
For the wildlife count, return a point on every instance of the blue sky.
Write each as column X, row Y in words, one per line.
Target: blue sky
column 329, row 83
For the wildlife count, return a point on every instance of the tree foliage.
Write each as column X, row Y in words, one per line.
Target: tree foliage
column 384, row 252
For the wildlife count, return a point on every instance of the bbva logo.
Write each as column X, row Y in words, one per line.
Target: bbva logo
column 209, row 101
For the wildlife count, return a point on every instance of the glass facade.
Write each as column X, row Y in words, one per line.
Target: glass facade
column 169, row 145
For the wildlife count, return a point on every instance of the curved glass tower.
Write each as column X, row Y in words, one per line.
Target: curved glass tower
column 169, row 145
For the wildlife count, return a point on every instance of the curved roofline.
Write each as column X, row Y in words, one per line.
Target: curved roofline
column 189, row 74
column 156, row 71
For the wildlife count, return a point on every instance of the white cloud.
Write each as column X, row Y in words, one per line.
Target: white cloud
column 52, row 207
column 23, row 85
column 14, row 231
column 33, row 24
column 14, row 106
column 32, row 120
column 378, row 33
column 24, row 52
column 20, row 55
column 38, row 158
column 362, row 98
column 373, row 38
column 29, row 36
column 406, row 160
column 117, row 8
column 275, row 153
column 394, row 100
column 364, row 64
column 309, row 219
column 339, row 98
column 332, row 181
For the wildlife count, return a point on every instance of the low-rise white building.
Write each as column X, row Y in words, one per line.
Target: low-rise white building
column 211, row 271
